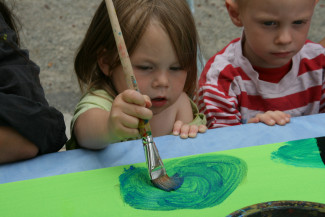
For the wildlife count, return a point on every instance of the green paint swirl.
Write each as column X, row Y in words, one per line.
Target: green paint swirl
column 300, row 153
column 208, row 181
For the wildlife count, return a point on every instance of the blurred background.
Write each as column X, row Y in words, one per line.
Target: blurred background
column 53, row 30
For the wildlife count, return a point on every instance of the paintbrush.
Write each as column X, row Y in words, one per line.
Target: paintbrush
column 156, row 169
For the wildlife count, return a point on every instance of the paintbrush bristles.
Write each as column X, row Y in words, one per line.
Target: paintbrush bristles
column 167, row 183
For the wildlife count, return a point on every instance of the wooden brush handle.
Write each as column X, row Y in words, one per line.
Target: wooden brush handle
column 121, row 47
column 144, row 126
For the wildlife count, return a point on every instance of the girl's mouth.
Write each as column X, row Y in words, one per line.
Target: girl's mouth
column 158, row 102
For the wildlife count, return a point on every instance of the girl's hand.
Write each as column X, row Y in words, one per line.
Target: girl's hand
column 271, row 118
column 128, row 107
column 186, row 130
column 96, row 128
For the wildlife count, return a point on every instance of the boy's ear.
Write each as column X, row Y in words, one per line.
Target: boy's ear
column 102, row 61
column 233, row 11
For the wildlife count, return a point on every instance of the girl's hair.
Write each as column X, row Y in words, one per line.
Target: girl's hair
column 134, row 17
column 10, row 19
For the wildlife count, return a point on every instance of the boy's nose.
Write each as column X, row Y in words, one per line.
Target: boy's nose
column 284, row 37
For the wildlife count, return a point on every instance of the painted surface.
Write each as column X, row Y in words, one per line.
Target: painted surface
column 215, row 184
column 302, row 153
column 208, row 181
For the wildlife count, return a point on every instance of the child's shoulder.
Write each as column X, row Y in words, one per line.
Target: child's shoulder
column 229, row 54
column 312, row 51
column 228, row 61
column 96, row 93
column 97, row 98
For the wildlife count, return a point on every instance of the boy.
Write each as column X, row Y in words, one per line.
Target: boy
column 269, row 74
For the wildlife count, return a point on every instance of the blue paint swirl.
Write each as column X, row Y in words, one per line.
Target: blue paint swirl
column 208, row 181
column 300, row 153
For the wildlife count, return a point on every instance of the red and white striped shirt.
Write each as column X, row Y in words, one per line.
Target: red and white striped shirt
column 231, row 92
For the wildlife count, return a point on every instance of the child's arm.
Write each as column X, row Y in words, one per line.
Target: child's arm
column 271, row 118
column 183, row 117
column 96, row 128
column 14, row 147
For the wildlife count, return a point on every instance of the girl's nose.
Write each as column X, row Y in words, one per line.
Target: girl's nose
column 284, row 36
column 161, row 79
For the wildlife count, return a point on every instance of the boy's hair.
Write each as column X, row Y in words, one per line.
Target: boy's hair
column 10, row 19
column 134, row 16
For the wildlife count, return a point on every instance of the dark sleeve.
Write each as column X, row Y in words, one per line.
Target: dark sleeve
column 22, row 101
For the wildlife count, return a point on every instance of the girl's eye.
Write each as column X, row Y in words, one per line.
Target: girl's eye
column 176, row 68
column 144, row 68
column 269, row 23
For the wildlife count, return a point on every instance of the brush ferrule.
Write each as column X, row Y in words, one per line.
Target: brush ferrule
column 155, row 164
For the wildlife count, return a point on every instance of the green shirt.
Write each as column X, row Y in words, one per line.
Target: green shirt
column 101, row 99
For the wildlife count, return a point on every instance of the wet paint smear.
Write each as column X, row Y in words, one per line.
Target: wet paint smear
column 321, row 147
column 208, row 181
column 300, row 153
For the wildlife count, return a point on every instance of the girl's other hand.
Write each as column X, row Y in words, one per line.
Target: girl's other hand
column 271, row 118
column 186, row 130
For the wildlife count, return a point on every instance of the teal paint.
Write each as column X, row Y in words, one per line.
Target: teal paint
column 300, row 153
column 208, row 181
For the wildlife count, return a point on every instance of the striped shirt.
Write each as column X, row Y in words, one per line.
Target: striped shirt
column 230, row 91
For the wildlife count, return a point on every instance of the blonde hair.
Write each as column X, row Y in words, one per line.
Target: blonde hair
column 134, row 16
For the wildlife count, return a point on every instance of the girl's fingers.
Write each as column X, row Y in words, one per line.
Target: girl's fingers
column 122, row 130
column 133, row 97
column 184, row 131
column 133, row 104
column 193, row 129
column 177, row 128
column 148, row 101
column 202, row 128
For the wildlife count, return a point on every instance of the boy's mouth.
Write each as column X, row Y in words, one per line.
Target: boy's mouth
column 282, row 54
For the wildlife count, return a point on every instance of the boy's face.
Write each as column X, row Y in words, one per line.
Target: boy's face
column 156, row 68
column 275, row 30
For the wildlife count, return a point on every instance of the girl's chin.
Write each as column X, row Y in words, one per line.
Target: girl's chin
column 157, row 111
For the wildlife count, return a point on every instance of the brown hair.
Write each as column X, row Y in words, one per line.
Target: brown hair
column 134, row 16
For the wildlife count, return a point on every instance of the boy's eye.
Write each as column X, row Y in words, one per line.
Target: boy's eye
column 269, row 23
column 299, row 22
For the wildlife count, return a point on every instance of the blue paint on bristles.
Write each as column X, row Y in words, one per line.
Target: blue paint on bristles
column 167, row 183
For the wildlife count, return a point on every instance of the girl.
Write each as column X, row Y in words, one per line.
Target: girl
column 161, row 39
